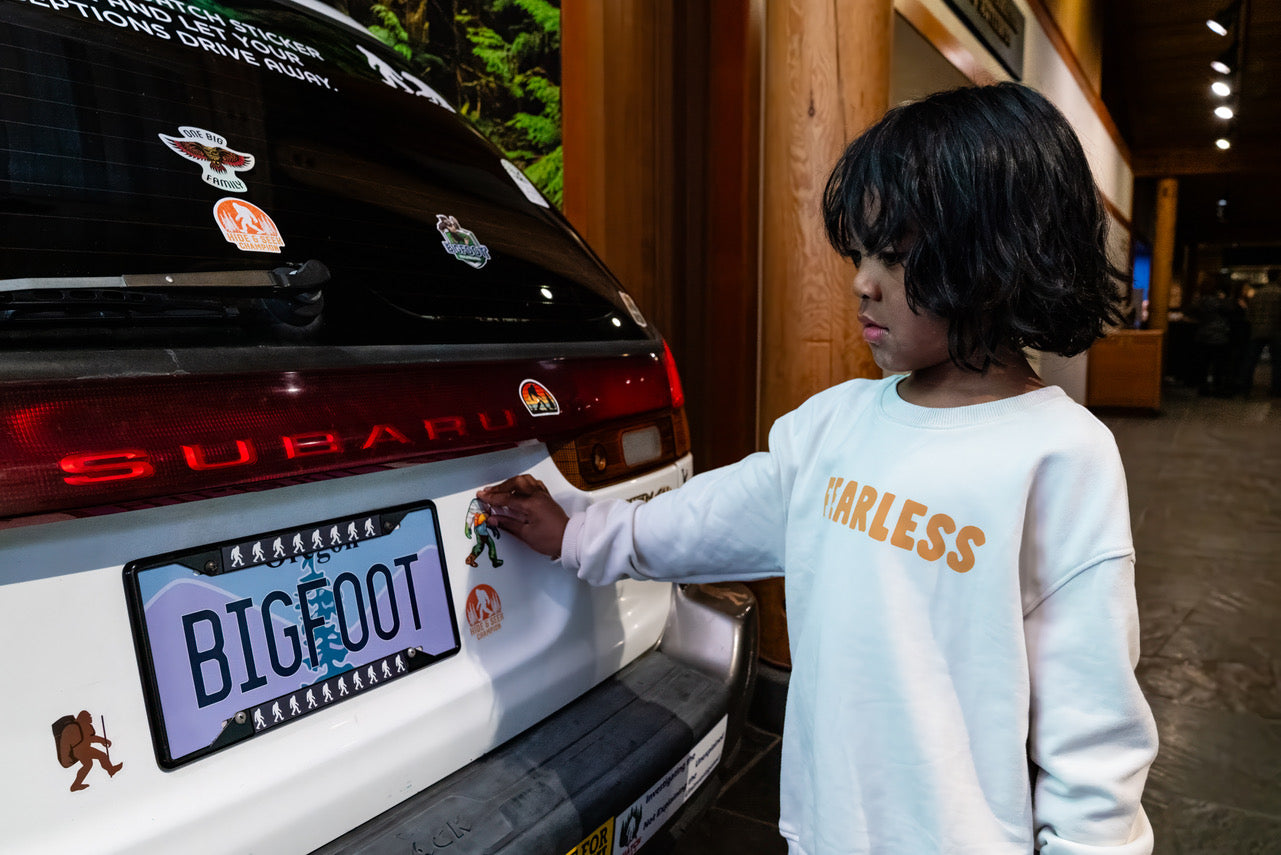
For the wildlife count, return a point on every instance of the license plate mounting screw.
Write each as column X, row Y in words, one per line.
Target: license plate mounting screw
column 211, row 566
column 241, row 718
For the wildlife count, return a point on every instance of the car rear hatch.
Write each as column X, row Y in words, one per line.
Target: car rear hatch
column 270, row 314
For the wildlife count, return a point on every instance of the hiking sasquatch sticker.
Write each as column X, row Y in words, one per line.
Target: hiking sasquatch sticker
column 78, row 742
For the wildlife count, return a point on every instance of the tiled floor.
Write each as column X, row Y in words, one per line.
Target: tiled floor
column 1205, row 497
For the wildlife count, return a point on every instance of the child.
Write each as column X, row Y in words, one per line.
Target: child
column 955, row 541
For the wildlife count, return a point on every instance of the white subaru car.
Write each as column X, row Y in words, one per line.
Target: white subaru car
column 271, row 313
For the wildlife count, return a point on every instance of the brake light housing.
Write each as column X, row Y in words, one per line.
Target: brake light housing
column 81, row 444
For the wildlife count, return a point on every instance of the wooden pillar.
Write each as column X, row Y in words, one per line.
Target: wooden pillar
column 616, row 94
column 661, row 105
column 827, row 77
column 1167, row 209
column 827, row 73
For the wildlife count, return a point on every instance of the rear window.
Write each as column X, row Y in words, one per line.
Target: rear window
column 189, row 173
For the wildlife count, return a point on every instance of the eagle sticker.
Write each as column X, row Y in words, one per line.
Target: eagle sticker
column 247, row 226
column 218, row 163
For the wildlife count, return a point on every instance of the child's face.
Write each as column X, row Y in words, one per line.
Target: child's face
column 900, row 339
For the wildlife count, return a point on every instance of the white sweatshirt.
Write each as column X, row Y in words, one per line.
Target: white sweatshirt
column 960, row 601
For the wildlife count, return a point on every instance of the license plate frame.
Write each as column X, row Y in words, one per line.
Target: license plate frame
column 238, row 637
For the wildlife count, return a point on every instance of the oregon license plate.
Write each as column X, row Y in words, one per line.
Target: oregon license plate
column 240, row 637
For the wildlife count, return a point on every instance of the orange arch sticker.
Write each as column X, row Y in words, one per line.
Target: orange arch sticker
column 247, row 226
column 537, row 399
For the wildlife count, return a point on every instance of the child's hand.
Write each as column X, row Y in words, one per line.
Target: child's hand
column 523, row 506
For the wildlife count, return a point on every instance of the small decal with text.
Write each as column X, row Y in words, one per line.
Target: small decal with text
column 484, row 611
column 218, row 164
column 247, row 226
column 461, row 243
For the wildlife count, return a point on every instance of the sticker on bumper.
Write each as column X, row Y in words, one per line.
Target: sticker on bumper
column 636, row 825
column 599, row 842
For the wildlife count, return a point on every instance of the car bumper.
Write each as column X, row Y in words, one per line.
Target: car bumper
column 608, row 772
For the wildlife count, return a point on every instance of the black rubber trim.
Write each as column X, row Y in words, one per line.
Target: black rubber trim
column 547, row 789
column 82, row 363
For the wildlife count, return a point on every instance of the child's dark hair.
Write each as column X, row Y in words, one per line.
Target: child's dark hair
column 990, row 193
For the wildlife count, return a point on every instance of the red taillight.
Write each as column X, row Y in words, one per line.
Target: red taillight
column 673, row 378
column 105, row 441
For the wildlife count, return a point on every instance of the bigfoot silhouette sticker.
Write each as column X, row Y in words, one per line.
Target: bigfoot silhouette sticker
column 247, row 226
column 484, row 611
column 77, row 742
column 478, row 524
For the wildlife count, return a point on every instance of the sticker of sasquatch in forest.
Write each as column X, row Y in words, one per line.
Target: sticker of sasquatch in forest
column 75, row 737
column 478, row 523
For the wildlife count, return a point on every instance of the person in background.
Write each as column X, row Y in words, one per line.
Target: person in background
column 1213, row 338
column 1263, row 313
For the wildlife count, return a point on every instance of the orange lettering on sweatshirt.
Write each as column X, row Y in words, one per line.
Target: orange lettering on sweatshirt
column 849, row 504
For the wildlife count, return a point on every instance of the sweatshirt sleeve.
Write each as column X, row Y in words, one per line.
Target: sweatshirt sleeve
column 1092, row 734
column 728, row 523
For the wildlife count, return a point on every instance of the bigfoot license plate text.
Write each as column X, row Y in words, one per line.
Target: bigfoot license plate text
column 240, row 637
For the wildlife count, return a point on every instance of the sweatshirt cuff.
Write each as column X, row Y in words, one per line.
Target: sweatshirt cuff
column 569, row 554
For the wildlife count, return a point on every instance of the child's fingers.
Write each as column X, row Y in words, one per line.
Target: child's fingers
column 512, row 490
column 522, row 485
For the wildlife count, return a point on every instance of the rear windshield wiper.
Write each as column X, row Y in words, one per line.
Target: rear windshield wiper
column 301, row 277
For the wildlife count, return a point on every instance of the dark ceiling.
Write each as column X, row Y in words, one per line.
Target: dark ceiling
column 1156, row 84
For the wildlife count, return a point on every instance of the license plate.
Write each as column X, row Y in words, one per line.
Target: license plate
column 238, row 638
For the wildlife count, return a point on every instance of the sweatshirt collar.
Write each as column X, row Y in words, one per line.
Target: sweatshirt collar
column 896, row 409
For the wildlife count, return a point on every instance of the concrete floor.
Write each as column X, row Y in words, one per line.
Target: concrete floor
column 1205, row 496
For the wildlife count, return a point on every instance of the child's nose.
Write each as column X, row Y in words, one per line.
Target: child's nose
column 865, row 286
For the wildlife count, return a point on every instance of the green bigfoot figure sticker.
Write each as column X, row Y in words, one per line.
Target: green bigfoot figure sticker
column 478, row 523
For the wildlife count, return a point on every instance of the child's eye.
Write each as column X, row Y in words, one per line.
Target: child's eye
column 890, row 258
column 856, row 257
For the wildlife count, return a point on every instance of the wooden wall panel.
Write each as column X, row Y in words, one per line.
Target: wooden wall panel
column 661, row 134
column 827, row 72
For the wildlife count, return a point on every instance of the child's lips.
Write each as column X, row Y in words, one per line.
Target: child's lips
column 873, row 333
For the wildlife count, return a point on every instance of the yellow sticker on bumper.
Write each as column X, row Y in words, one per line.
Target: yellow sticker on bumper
column 599, row 842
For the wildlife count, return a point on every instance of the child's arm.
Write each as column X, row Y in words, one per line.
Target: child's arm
column 725, row 524
column 1092, row 734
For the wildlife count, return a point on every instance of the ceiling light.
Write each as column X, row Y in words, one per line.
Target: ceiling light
column 1223, row 111
column 1223, row 143
column 1224, row 20
column 1226, row 62
column 1221, row 87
